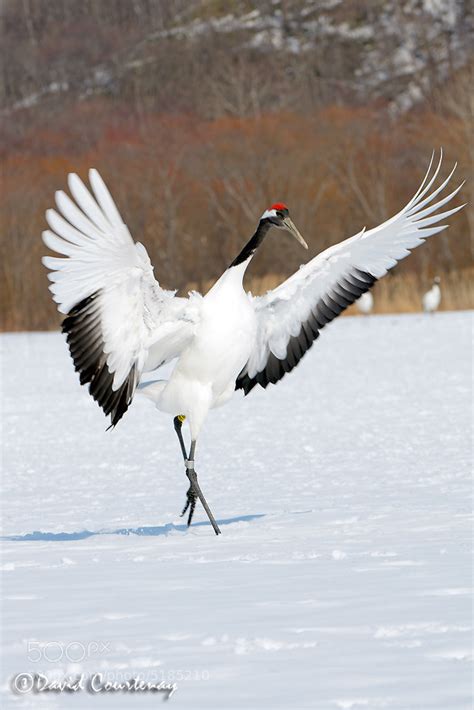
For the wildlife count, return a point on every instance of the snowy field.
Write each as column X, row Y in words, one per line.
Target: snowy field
column 342, row 578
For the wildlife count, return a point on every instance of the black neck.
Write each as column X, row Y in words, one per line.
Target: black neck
column 252, row 245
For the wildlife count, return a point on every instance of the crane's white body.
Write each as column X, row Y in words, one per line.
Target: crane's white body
column 205, row 373
column 122, row 324
column 432, row 299
column 365, row 303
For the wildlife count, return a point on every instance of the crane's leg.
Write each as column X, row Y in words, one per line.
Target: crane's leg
column 178, row 424
column 191, row 494
column 194, row 490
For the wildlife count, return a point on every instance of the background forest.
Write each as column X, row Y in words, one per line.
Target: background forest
column 200, row 114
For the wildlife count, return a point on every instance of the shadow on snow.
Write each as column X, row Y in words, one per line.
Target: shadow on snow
column 38, row 536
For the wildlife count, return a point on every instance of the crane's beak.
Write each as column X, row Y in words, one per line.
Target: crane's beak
column 290, row 227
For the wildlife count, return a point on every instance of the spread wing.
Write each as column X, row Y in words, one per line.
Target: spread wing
column 117, row 313
column 291, row 316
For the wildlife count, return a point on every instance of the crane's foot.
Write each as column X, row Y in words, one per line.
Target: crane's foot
column 194, row 492
column 191, row 498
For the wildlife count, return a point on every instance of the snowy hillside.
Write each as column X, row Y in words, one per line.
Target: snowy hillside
column 342, row 577
column 394, row 50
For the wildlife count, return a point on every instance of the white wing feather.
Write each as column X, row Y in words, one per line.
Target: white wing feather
column 290, row 316
column 127, row 311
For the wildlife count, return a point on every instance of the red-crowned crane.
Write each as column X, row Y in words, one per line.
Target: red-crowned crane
column 432, row 298
column 365, row 303
column 120, row 323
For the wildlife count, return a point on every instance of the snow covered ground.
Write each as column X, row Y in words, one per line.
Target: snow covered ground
column 342, row 577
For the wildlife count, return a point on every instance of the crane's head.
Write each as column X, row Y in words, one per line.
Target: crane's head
column 278, row 216
column 436, row 280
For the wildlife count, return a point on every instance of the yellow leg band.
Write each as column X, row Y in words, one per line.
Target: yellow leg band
column 181, row 418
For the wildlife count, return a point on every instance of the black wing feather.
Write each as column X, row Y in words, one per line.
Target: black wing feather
column 343, row 294
column 86, row 345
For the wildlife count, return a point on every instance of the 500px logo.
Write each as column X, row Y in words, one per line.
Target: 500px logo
column 74, row 651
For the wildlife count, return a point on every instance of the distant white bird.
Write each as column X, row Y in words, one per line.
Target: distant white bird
column 432, row 298
column 120, row 323
column 365, row 303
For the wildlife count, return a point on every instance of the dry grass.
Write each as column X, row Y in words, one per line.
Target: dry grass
column 402, row 294
column 398, row 293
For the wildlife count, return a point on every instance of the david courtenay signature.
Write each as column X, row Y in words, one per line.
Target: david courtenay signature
column 39, row 683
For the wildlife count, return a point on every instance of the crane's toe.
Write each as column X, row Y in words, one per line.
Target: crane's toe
column 191, row 498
